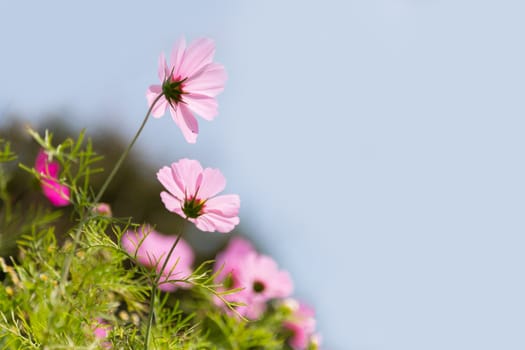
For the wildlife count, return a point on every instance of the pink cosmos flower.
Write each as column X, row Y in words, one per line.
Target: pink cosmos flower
column 55, row 192
column 301, row 324
column 259, row 275
column 263, row 281
column 192, row 194
column 229, row 261
column 151, row 249
column 190, row 84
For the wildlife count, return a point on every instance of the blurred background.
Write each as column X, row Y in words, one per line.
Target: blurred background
column 377, row 145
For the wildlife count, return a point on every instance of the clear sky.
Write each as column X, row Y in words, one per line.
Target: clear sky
column 377, row 145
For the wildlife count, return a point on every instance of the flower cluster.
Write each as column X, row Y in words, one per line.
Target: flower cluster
column 243, row 281
column 240, row 266
column 261, row 281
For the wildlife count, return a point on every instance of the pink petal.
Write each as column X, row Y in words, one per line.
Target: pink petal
column 101, row 329
column 202, row 105
column 211, row 222
column 176, row 56
column 171, row 203
column 44, row 167
column 41, row 162
column 283, row 285
column 209, row 81
column 213, row 182
column 163, row 70
column 188, row 174
column 160, row 107
column 191, row 129
column 239, row 246
column 151, row 249
column 180, row 120
column 302, row 325
column 203, row 223
column 253, row 311
column 189, row 119
column 136, row 244
column 225, row 205
column 176, row 115
column 230, row 259
column 198, row 54
column 56, row 193
column 300, row 337
column 166, row 287
column 165, row 177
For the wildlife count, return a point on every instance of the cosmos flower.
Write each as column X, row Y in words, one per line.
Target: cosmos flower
column 192, row 194
column 301, row 324
column 227, row 265
column 228, row 261
column 189, row 85
column 258, row 275
column 262, row 281
column 55, row 192
column 151, row 249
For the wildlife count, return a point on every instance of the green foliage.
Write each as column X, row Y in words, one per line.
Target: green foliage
column 64, row 282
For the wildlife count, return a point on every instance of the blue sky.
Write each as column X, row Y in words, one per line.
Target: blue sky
column 377, row 145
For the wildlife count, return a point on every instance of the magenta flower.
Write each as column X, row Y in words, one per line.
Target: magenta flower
column 192, row 194
column 55, row 192
column 151, row 248
column 190, row 84
column 301, row 324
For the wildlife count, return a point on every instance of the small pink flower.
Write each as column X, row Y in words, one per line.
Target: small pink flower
column 55, row 192
column 101, row 331
column 192, row 194
column 190, row 84
column 301, row 324
column 151, row 249
column 103, row 209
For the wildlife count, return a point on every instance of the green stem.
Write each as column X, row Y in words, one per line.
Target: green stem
column 154, row 290
column 89, row 215
column 126, row 151
column 4, row 195
column 69, row 257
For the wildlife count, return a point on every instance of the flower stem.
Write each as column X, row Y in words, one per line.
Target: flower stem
column 126, row 151
column 69, row 257
column 87, row 216
column 154, row 290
